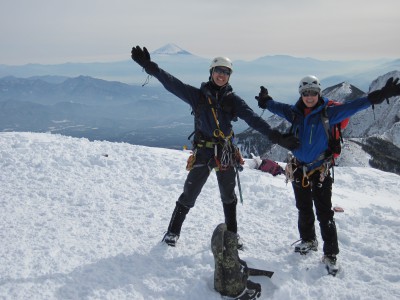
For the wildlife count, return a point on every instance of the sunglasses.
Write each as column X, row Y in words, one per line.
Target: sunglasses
column 309, row 93
column 222, row 71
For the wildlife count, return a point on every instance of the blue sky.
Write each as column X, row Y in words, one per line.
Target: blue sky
column 58, row 31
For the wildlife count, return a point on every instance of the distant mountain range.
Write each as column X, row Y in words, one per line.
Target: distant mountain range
column 107, row 101
column 95, row 109
column 280, row 73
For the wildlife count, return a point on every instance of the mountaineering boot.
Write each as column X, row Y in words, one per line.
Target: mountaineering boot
column 252, row 291
column 170, row 239
column 306, row 246
column 175, row 225
column 331, row 264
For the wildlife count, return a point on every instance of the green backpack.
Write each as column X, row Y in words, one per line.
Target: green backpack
column 231, row 273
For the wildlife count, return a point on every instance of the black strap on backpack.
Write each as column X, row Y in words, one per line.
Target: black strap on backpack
column 325, row 122
column 333, row 143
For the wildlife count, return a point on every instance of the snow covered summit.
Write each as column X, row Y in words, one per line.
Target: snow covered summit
column 84, row 220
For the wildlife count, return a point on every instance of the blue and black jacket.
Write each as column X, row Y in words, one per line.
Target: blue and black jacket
column 310, row 129
column 225, row 102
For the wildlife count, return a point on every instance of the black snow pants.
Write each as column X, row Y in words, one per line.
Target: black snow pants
column 194, row 183
column 319, row 191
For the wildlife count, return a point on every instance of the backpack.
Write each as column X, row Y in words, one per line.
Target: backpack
column 271, row 167
column 333, row 133
column 231, row 273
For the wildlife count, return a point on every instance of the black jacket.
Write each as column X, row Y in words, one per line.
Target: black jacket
column 227, row 105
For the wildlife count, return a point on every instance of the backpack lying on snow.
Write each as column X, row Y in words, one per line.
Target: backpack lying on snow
column 271, row 167
column 231, row 273
column 266, row 165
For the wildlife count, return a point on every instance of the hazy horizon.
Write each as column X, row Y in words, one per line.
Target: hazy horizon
column 54, row 32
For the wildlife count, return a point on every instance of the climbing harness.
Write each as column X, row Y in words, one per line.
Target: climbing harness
column 323, row 169
column 230, row 154
column 226, row 153
column 293, row 164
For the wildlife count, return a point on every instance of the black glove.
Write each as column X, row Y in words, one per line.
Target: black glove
column 391, row 89
column 263, row 98
column 287, row 140
column 142, row 58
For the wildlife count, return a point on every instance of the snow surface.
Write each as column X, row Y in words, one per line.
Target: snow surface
column 84, row 220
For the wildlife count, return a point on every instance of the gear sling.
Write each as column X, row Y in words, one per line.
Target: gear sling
column 230, row 154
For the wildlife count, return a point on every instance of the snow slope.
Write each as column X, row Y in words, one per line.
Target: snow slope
column 84, row 220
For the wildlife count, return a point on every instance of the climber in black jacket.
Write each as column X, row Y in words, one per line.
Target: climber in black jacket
column 215, row 106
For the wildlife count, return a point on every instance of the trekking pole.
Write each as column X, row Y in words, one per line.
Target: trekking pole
column 239, row 186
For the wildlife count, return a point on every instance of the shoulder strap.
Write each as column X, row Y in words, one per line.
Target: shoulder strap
column 196, row 111
column 325, row 122
column 339, row 128
column 259, row 272
column 294, row 117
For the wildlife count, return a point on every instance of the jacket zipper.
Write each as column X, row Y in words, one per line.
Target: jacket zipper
column 312, row 129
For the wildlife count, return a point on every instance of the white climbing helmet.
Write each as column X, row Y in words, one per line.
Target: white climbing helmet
column 309, row 82
column 221, row 62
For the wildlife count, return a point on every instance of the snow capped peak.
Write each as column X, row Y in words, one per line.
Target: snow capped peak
column 170, row 49
column 381, row 80
column 343, row 91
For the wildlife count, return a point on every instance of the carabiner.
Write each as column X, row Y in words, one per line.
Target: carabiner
column 305, row 177
column 218, row 134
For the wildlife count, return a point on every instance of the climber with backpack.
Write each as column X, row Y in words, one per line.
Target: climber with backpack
column 215, row 106
column 308, row 167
